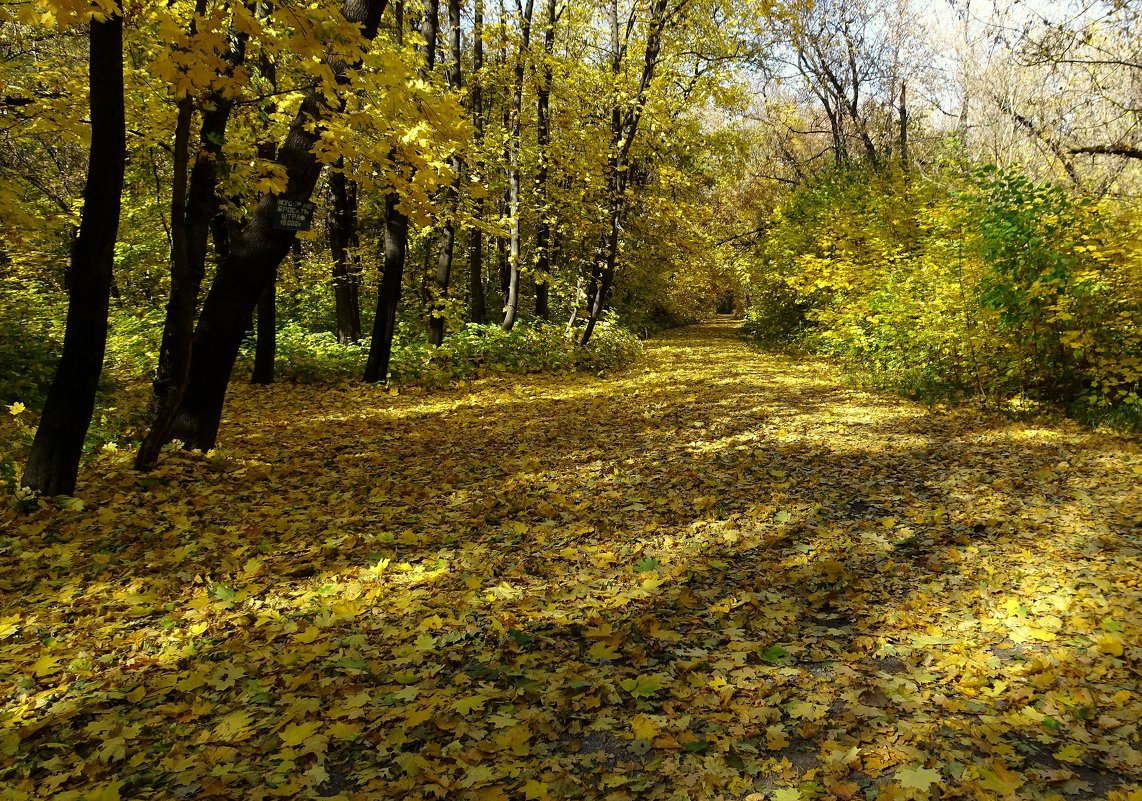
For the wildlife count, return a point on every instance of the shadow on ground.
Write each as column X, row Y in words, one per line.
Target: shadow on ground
column 717, row 574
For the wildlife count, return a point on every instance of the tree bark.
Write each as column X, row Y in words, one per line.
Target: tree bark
column 343, row 242
column 451, row 197
column 624, row 127
column 477, row 303
column 266, row 347
column 511, row 305
column 253, row 257
column 904, row 126
column 53, row 463
column 199, row 215
column 543, row 243
column 388, row 294
column 178, row 327
column 392, row 275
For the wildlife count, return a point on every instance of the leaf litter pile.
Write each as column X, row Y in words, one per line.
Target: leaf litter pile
column 719, row 575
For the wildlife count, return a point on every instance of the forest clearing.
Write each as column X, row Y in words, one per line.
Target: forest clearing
column 716, row 574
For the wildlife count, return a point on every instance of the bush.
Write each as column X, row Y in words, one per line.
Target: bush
column 474, row 350
column 31, row 339
column 987, row 284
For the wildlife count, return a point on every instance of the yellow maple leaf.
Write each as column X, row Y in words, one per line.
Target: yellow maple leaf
column 917, row 778
column 776, row 738
column 297, row 733
column 418, row 716
column 230, row 725
column 644, row 727
column 104, row 792
column 308, row 636
column 1000, row 780
column 535, row 791
column 344, row 731
column 466, row 705
column 1110, row 644
column 46, row 665
column 601, row 650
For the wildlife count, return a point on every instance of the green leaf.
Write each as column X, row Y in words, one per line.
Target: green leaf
column 773, row 654
column 223, row 593
column 519, row 637
column 643, row 686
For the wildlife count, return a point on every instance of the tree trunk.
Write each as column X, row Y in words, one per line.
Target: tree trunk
column 511, row 305
column 254, row 256
column 265, row 350
column 904, row 126
column 388, row 295
column 451, row 194
column 624, row 126
column 53, row 463
column 342, row 245
column 477, row 303
column 543, row 141
column 178, row 327
column 200, row 215
column 392, row 276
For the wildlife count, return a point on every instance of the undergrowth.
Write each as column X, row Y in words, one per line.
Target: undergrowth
column 473, row 351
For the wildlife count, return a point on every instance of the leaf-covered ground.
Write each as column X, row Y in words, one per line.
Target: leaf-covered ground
column 721, row 574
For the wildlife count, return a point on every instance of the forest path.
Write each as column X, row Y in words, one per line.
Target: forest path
column 716, row 574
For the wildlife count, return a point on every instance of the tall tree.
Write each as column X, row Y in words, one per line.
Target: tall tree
column 625, row 118
column 477, row 304
column 255, row 254
column 343, row 245
column 519, row 67
column 394, row 253
column 451, row 195
column 53, row 463
column 397, row 223
column 543, row 232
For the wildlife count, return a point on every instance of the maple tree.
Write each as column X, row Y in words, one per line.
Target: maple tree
column 53, row 459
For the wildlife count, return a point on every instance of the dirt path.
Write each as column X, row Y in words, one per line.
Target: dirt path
column 718, row 574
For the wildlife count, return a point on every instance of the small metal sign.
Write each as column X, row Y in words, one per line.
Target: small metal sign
column 293, row 215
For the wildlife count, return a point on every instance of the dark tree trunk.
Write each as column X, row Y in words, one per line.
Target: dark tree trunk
column 342, row 247
column 266, row 347
column 430, row 30
column 511, row 305
column 53, row 463
column 200, row 216
column 178, row 328
column 503, row 266
column 603, row 271
column 392, row 276
column 904, row 126
column 388, row 295
column 543, row 141
column 477, row 303
column 251, row 262
column 451, row 197
column 503, row 262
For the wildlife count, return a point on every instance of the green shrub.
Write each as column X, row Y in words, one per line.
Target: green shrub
column 31, row 339
column 986, row 284
column 474, row 350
